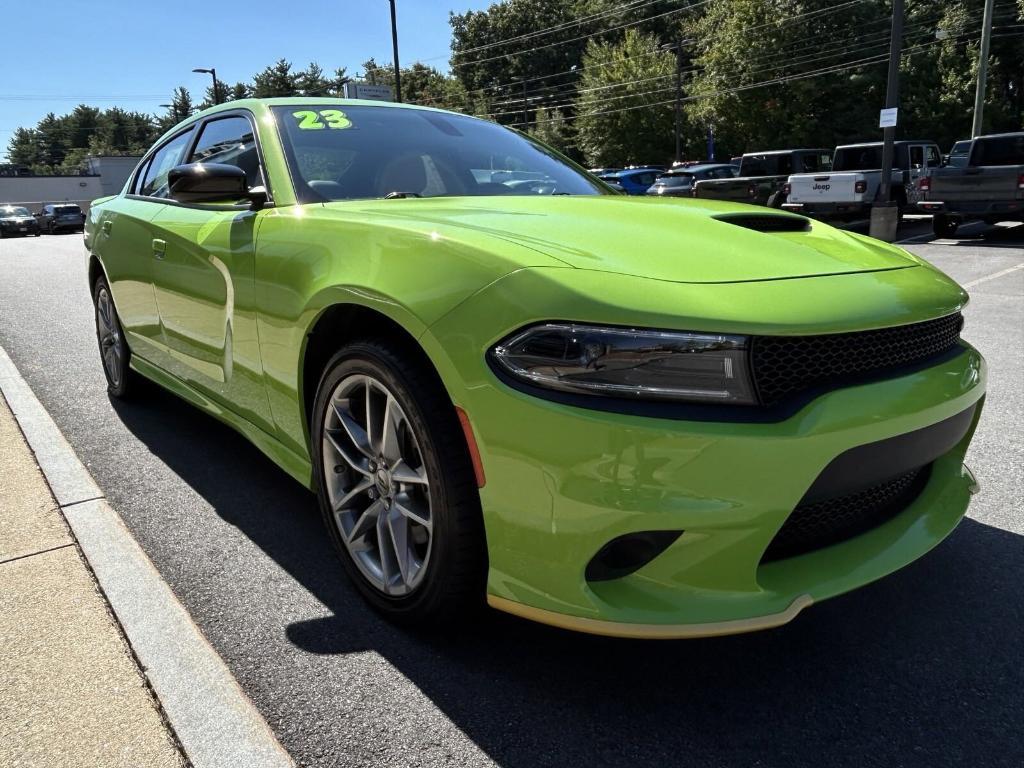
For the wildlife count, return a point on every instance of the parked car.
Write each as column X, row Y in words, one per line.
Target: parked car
column 990, row 187
column 679, row 181
column 17, row 221
column 604, row 171
column 763, row 175
column 959, row 154
column 61, row 217
column 632, row 182
column 851, row 187
column 636, row 417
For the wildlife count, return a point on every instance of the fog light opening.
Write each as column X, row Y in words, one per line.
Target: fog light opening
column 625, row 554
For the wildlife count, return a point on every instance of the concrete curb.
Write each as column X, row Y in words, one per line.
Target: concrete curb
column 215, row 722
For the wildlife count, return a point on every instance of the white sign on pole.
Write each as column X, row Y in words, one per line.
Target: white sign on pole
column 365, row 91
column 887, row 118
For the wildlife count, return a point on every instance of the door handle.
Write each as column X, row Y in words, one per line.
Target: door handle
column 159, row 248
column 106, row 227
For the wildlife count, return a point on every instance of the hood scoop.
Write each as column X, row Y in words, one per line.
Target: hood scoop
column 766, row 222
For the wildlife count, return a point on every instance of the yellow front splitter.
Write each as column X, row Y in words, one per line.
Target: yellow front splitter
column 650, row 631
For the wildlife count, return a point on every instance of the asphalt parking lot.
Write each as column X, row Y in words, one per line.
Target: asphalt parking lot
column 923, row 668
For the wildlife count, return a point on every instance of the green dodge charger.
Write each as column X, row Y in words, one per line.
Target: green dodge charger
column 504, row 381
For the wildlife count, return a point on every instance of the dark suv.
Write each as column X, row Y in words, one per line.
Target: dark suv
column 15, row 220
column 61, row 217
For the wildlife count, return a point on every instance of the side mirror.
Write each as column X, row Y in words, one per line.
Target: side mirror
column 212, row 183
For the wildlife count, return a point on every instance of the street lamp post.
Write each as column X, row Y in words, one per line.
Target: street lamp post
column 213, row 73
column 394, row 46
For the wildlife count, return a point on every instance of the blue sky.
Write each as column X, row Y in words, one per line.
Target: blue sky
column 133, row 53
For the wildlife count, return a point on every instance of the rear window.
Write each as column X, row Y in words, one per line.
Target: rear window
column 867, row 158
column 1002, row 150
column 65, row 209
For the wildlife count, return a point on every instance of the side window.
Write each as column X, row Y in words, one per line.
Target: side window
column 917, row 157
column 785, row 166
column 933, row 157
column 230, row 141
column 140, row 176
column 169, row 155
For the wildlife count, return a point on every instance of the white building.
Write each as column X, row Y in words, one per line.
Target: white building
column 106, row 176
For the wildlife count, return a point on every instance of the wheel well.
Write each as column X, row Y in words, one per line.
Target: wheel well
column 343, row 323
column 95, row 271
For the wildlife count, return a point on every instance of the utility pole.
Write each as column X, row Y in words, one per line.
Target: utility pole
column 394, row 46
column 979, row 94
column 677, row 46
column 884, row 212
column 525, row 117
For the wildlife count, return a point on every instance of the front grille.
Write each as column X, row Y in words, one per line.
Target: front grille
column 786, row 365
column 830, row 521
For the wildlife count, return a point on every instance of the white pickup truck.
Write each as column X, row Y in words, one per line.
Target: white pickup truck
column 850, row 188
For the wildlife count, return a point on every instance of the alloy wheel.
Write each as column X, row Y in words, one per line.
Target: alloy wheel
column 377, row 484
column 110, row 336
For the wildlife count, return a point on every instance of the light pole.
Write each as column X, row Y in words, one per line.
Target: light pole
column 979, row 94
column 885, row 217
column 394, row 46
column 212, row 72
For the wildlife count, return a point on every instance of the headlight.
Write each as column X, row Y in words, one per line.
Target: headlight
column 629, row 363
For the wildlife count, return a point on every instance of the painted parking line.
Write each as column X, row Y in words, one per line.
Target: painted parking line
column 994, row 275
column 215, row 722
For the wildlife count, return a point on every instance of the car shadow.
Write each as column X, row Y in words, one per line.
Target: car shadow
column 924, row 668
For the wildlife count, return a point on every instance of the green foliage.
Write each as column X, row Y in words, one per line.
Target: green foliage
column 777, row 73
column 550, row 127
column 420, row 84
column 620, row 120
column 276, row 80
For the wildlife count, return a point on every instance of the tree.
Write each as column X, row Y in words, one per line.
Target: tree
column 550, row 127
column 624, row 112
column 276, row 80
column 239, row 91
column 312, row 82
column 420, row 84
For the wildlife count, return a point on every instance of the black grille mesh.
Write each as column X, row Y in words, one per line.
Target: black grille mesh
column 767, row 222
column 785, row 365
column 817, row 525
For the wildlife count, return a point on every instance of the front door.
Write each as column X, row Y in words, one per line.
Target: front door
column 124, row 241
column 204, row 280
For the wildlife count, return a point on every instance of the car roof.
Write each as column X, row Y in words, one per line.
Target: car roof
column 880, row 143
column 784, row 151
column 1009, row 135
column 691, row 168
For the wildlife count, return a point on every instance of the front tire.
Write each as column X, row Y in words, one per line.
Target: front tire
column 396, row 485
column 114, row 352
column 944, row 226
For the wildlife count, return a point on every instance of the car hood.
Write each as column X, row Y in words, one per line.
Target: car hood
column 663, row 239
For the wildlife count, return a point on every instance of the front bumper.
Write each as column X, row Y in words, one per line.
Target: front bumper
column 563, row 481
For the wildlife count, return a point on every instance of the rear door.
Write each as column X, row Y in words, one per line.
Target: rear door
column 204, row 278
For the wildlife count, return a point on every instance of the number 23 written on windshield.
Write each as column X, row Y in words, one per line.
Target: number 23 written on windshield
column 311, row 121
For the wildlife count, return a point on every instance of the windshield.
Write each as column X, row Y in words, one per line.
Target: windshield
column 13, row 212
column 361, row 152
column 676, row 180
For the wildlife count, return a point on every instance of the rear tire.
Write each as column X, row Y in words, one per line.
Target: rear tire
column 405, row 519
column 115, row 355
column 944, row 226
